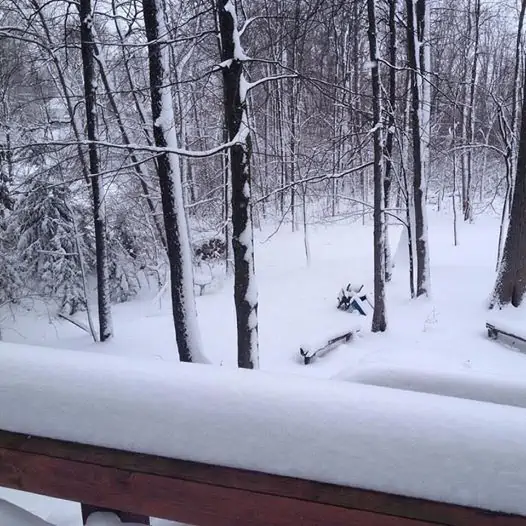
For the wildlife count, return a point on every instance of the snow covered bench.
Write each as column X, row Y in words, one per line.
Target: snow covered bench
column 513, row 332
column 309, row 352
column 210, row 446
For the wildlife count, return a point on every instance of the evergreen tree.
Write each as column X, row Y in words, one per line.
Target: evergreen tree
column 11, row 283
column 124, row 250
column 47, row 245
column 6, row 201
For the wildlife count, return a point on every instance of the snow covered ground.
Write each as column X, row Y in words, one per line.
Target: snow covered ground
column 297, row 306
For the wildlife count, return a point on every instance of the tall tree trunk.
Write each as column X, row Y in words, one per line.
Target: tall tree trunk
column 389, row 143
column 282, row 149
column 470, row 125
column 379, row 323
column 509, row 141
column 510, row 285
column 516, row 96
column 422, row 255
column 225, row 166
column 235, row 108
column 90, row 93
column 454, row 192
column 407, row 185
column 176, row 229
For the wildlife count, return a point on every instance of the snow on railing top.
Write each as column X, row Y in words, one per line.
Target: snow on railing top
column 459, row 384
column 422, row 445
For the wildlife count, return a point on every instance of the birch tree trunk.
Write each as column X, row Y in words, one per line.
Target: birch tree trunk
column 88, row 51
column 236, row 121
column 379, row 323
column 168, row 167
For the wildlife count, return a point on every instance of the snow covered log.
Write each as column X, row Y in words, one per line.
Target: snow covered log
column 185, row 442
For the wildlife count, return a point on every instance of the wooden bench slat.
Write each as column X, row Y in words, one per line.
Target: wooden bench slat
column 494, row 331
column 205, row 495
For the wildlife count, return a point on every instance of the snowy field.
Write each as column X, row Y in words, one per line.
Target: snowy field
column 298, row 306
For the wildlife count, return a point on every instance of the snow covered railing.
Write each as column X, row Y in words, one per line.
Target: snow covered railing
column 458, row 384
column 210, row 446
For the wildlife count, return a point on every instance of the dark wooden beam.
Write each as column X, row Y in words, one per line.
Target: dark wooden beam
column 206, row 495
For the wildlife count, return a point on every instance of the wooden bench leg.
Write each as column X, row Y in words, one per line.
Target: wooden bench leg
column 492, row 333
column 88, row 509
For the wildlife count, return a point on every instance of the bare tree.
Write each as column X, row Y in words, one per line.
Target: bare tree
column 236, row 121
column 168, row 167
column 389, row 142
column 416, row 30
column 469, row 121
column 90, row 94
column 379, row 323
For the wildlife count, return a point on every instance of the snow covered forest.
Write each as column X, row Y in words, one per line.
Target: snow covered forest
column 252, row 184
column 143, row 144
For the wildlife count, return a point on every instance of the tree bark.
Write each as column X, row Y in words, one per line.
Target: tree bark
column 235, row 109
column 516, row 98
column 90, row 93
column 177, row 238
column 422, row 256
column 389, row 143
column 379, row 323
column 470, row 125
column 510, row 285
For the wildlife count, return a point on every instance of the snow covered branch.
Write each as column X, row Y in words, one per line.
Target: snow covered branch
column 316, row 179
column 138, row 147
column 251, row 85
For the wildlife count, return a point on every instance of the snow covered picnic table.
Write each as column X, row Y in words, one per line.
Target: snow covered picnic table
column 209, row 445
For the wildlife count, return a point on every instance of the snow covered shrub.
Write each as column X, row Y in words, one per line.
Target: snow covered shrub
column 122, row 264
column 134, row 251
column 211, row 249
column 47, row 244
column 11, row 284
column 209, row 259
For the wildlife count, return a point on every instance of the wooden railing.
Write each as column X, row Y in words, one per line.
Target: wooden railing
column 207, row 495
